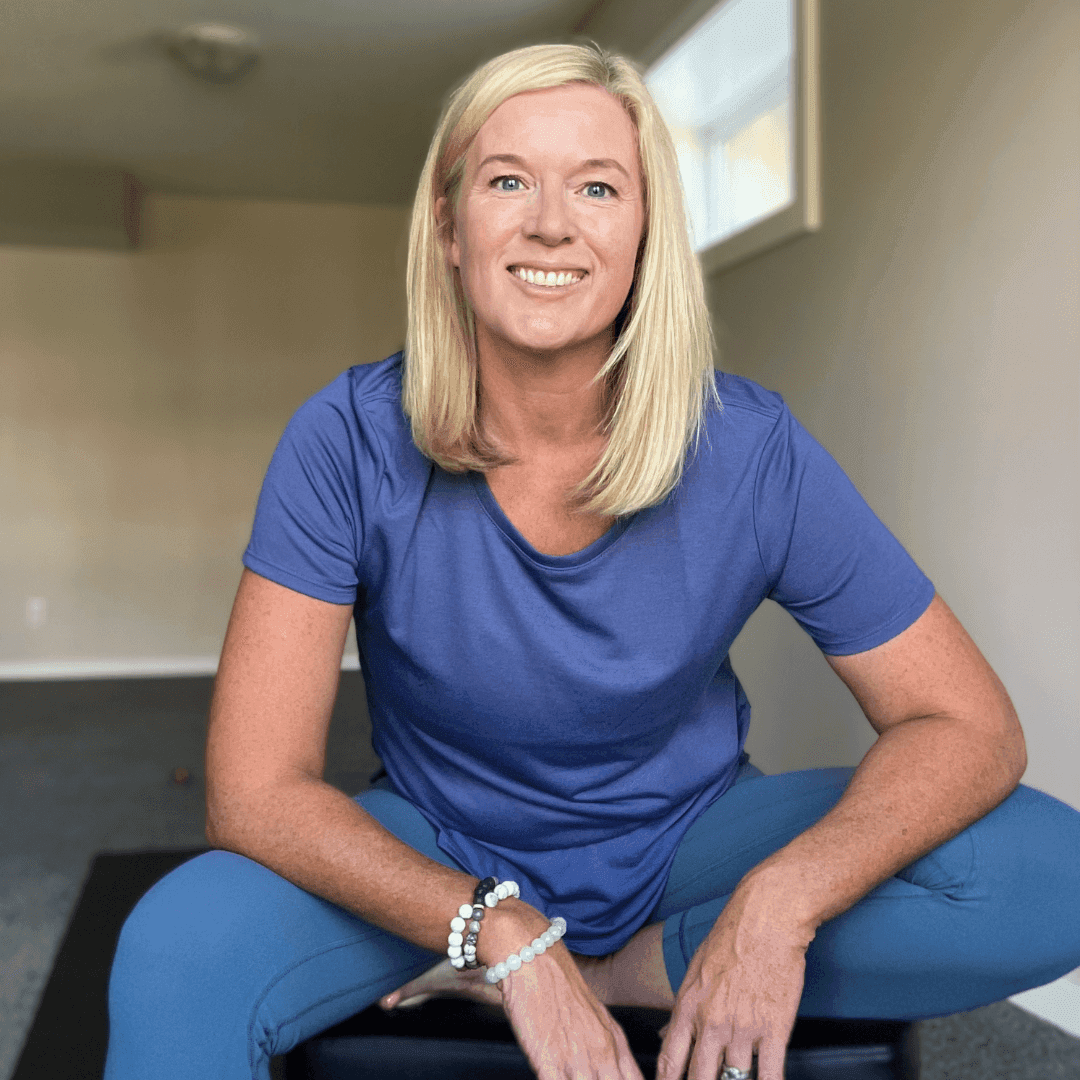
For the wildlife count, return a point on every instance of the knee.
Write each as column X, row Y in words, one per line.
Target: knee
column 1037, row 834
column 1030, row 844
column 177, row 931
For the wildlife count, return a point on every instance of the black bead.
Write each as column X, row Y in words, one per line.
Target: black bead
column 478, row 912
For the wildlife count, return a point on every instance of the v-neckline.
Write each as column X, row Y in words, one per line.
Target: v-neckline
column 511, row 532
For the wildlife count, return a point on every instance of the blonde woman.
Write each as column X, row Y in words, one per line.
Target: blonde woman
column 549, row 531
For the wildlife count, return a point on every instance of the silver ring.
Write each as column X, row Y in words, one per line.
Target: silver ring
column 731, row 1073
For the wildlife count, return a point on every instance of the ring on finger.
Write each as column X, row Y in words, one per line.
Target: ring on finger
column 731, row 1073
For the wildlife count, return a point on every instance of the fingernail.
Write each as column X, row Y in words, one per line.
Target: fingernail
column 390, row 1001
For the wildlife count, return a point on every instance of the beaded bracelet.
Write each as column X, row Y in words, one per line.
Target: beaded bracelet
column 462, row 950
column 528, row 952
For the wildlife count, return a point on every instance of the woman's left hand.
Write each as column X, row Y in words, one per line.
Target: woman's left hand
column 740, row 994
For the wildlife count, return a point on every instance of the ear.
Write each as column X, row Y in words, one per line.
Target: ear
column 444, row 220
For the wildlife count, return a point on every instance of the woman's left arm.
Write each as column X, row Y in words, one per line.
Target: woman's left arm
column 950, row 749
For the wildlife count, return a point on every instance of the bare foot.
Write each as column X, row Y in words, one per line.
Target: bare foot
column 443, row 980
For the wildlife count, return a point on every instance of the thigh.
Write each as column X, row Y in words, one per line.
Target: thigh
column 752, row 819
column 224, row 963
column 986, row 914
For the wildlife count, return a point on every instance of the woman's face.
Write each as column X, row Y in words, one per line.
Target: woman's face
column 552, row 191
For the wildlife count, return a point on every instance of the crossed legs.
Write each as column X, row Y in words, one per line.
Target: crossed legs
column 224, row 963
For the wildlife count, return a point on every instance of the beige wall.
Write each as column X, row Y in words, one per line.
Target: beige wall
column 927, row 335
column 142, row 395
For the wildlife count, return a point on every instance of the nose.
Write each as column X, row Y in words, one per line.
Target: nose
column 549, row 220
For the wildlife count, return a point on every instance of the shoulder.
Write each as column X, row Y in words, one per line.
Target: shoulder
column 746, row 416
column 750, row 402
column 363, row 404
column 362, row 389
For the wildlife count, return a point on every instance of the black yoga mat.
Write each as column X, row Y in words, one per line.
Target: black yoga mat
column 68, row 1038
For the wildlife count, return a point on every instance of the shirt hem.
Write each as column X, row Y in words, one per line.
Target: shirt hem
column 298, row 584
column 895, row 626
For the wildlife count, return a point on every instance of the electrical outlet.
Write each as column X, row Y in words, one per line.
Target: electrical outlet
column 36, row 612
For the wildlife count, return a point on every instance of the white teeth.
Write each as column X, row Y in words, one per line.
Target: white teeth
column 551, row 279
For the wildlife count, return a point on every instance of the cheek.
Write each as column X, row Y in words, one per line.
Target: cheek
column 487, row 232
column 621, row 244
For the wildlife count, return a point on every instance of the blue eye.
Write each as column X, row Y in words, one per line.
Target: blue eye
column 500, row 180
column 591, row 189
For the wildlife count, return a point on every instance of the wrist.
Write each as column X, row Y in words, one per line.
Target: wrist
column 771, row 898
column 506, row 929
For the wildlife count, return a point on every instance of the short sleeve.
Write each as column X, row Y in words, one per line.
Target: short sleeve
column 308, row 531
column 828, row 558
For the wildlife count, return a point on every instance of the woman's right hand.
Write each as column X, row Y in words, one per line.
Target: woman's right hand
column 565, row 1030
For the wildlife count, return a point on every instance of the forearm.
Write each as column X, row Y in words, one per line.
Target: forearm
column 315, row 836
column 921, row 783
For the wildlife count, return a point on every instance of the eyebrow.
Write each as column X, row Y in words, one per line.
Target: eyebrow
column 592, row 163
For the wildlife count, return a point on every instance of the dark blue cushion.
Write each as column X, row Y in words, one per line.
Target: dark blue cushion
column 463, row 1040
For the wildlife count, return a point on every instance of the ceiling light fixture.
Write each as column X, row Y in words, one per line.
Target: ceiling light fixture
column 216, row 52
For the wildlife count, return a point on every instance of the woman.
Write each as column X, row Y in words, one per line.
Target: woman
column 547, row 567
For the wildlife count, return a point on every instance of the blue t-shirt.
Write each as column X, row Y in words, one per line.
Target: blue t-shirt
column 562, row 720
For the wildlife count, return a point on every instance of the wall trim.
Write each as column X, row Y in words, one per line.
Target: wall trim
column 141, row 667
column 1057, row 1003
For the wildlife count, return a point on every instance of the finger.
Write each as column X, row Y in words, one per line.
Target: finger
column 675, row 1049
column 628, row 1066
column 706, row 1061
column 739, row 1052
column 770, row 1063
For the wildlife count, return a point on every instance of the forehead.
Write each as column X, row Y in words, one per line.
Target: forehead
column 573, row 119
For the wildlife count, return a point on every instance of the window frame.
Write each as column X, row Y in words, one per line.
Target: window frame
column 803, row 214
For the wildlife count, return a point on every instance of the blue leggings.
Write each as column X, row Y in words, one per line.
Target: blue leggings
column 224, row 964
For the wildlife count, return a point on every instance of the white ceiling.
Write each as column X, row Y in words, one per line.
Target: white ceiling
column 341, row 106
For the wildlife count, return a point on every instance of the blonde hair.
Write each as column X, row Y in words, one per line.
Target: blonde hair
column 660, row 370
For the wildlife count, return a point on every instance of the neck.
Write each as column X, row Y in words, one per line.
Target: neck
column 532, row 403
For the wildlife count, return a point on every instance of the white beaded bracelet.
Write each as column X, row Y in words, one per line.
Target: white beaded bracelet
column 462, row 949
column 529, row 952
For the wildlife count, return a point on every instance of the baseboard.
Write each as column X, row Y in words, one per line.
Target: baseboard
column 1057, row 1003
column 143, row 667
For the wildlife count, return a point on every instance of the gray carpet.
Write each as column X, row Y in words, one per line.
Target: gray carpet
column 87, row 767
column 997, row 1042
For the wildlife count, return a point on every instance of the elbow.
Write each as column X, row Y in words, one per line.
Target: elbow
column 224, row 814
column 1019, row 755
column 213, row 832
column 1011, row 749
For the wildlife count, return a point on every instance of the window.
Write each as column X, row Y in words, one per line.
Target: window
column 738, row 90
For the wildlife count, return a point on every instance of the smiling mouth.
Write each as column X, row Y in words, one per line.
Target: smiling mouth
column 550, row 279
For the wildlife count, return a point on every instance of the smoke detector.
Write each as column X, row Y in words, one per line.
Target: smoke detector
column 216, row 52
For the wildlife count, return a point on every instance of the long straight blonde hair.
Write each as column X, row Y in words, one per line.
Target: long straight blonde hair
column 659, row 375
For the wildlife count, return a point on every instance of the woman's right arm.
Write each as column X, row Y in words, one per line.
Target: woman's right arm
column 266, row 799
column 265, row 754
